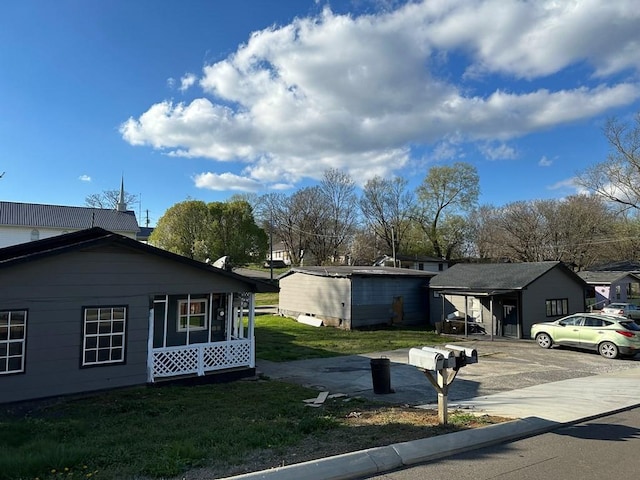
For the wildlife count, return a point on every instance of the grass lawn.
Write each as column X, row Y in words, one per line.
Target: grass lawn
column 162, row 432
column 283, row 339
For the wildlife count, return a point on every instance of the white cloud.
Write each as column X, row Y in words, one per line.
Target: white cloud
column 84, row 178
column 358, row 93
column 545, row 162
column 499, row 151
column 225, row 182
column 187, row 81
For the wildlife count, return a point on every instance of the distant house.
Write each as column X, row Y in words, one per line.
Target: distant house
column 93, row 310
column 414, row 262
column 355, row 297
column 279, row 253
column 611, row 286
column 507, row 298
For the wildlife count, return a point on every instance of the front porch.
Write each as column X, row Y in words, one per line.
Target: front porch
column 208, row 335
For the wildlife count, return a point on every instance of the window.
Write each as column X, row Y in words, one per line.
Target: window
column 576, row 320
column 103, row 335
column 557, row 307
column 193, row 314
column 13, row 334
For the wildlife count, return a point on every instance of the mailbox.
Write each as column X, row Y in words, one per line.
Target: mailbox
column 471, row 354
column 427, row 360
column 449, row 356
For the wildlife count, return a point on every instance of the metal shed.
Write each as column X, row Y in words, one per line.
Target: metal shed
column 356, row 297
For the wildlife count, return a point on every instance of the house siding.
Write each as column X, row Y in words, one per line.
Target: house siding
column 54, row 291
column 14, row 235
column 555, row 284
column 327, row 298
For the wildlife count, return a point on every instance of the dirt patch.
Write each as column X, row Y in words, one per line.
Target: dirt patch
column 359, row 429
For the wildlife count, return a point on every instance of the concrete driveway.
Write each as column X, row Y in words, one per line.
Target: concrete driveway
column 503, row 365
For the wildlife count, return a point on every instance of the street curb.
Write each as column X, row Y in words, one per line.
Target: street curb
column 383, row 459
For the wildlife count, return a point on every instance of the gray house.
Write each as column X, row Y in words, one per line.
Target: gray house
column 611, row 286
column 507, row 298
column 355, row 297
column 93, row 310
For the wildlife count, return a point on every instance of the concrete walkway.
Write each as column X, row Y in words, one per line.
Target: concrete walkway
column 535, row 409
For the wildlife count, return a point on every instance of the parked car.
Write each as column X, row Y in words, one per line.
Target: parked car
column 610, row 335
column 628, row 310
column 275, row 264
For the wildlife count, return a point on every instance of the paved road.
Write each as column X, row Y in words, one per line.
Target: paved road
column 603, row 448
column 503, row 365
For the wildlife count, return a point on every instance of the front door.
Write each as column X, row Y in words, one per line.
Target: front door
column 510, row 320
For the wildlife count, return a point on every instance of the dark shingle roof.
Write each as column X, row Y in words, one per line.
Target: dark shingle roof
column 604, row 278
column 64, row 217
column 493, row 276
column 92, row 237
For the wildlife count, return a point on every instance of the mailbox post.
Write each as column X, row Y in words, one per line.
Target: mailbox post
column 445, row 363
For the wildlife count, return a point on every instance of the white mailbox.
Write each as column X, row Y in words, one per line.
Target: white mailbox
column 449, row 355
column 427, row 360
column 471, row 354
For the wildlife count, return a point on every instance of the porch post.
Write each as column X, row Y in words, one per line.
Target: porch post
column 251, row 329
column 150, row 347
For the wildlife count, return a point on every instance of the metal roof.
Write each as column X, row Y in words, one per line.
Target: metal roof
column 65, row 217
column 351, row 271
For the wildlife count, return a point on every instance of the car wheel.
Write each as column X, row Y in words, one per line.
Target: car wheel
column 608, row 350
column 544, row 340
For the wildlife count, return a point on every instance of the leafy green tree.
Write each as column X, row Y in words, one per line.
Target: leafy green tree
column 446, row 196
column 209, row 231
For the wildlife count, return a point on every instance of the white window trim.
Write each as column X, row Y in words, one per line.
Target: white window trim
column 9, row 341
column 205, row 313
column 111, row 335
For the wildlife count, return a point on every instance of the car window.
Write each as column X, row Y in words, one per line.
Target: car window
column 593, row 322
column 631, row 326
column 577, row 320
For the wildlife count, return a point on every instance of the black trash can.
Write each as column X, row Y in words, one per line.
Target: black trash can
column 381, row 375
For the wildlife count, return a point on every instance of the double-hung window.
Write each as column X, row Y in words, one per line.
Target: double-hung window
column 13, row 335
column 192, row 313
column 557, row 307
column 104, row 332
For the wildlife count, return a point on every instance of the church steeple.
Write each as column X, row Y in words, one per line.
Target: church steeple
column 122, row 205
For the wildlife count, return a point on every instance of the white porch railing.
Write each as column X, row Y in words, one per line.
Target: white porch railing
column 200, row 358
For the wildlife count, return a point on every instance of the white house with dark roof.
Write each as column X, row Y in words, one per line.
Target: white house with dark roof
column 26, row 222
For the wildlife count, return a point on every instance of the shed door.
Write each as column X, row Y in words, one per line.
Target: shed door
column 509, row 320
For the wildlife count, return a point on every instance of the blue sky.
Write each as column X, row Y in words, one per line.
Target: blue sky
column 203, row 99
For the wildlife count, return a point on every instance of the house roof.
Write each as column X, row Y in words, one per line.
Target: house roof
column 408, row 258
column 360, row 271
column 604, row 277
column 93, row 237
column 621, row 266
column 65, row 217
column 486, row 277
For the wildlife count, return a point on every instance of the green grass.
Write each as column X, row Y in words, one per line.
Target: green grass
column 282, row 339
column 150, row 432
column 154, row 432
column 267, row 298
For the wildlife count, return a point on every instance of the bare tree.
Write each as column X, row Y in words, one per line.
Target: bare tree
column 386, row 206
column 617, row 178
column 109, row 199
